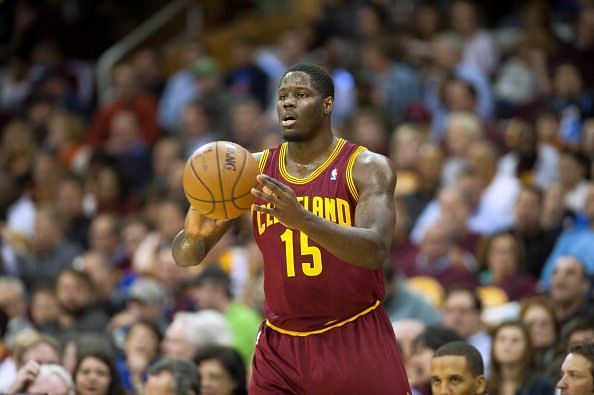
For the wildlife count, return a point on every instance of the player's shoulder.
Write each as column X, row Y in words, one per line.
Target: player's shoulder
column 257, row 155
column 372, row 161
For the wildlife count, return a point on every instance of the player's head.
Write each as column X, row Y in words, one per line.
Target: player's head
column 577, row 371
column 457, row 369
column 305, row 101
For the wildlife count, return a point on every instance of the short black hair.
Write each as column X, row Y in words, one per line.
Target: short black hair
column 586, row 350
column 320, row 79
column 473, row 358
column 213, row 274
column 435, row 336
column 185, row 374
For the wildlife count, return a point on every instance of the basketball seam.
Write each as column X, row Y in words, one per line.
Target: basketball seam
column 219, row 201
column 237, row 181
column 220, row 178
column 205, row 187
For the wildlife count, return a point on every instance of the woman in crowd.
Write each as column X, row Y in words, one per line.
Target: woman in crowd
column 502, row 255
column 538, row 315
column 222, row 371
column 96, row 374
column 511, row 364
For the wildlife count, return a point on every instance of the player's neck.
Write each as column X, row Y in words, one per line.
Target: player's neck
column 306, row 153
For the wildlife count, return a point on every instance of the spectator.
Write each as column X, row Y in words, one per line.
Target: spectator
column 76, row 299
column 401, row 302
column 211, row 289
column 539, row 317
column 7, row 365
column 501, row 255
column 69, row 201
column 196, row 127
column 511, row 361
column 462, row 311
column 479, row 46
column 423, row 349
column 439, row 257
column 181, row 87
column 245, row 78
column 139, row 352
column 577, row 370
column 537, row 242
column 188, row 332
column 44, row 307
column 457, row 369
column 96, row 374
column 173, row 377
column 51, row 250
column 128, row 97
column 569, row 288
column 49, row 379
column 222, row 371
column 13, row 301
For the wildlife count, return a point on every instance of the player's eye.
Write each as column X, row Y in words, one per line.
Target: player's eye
column 301, row 95
column 282, row 97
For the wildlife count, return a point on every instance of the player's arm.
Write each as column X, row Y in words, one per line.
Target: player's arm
column 191, row 245
column 367, row 243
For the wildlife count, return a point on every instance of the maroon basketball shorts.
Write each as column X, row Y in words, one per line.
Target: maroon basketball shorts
column 360, row 358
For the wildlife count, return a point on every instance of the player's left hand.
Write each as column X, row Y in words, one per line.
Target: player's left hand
column 283, row 202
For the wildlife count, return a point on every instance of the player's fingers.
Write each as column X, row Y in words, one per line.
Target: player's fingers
column 275, row 185
column 263, row 209
column 269, row 197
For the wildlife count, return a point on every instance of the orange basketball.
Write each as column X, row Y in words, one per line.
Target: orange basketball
column 218, row 178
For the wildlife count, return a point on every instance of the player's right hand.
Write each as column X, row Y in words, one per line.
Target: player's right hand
column 199, row 226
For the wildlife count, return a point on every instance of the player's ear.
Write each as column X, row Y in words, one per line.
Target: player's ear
column 481, row 385
column 328, row 105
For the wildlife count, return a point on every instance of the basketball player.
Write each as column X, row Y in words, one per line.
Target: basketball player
column 323, row 219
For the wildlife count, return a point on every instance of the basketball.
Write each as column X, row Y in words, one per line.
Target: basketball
column 218, row 178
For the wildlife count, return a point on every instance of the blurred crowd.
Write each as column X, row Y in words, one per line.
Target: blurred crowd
column 485, row 110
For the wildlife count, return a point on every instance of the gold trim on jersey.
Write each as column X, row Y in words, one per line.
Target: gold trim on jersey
column 295, row 180
column 326, row 329
column 263, row 159
column 349, row 172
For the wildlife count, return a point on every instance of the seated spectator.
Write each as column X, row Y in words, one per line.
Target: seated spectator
column 189, row 332
column 512, row 368
column 222, row 371
column 578, row 242
column 569, row 291
column 140, row 350
column 457, row 369
column 7, row 364
column 211, row 289
column 423, row 349
column 173, row 377
column 502, row 257
column 44, row 307
column 439, row 257
column 76, row 301
column 401, row 302
column 537, row 241
column 13, row 301
column 30, row 345
column 96, row 374
column 462, row 311
column 129, row 97
column 539, row 317
column 51, row 253
column 576, row 371
column 49, row 379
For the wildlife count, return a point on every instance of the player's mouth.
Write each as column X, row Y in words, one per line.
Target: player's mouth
column 288, row 120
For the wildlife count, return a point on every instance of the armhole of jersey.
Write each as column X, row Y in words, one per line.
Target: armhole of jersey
column 349, row 172
column 263, row 160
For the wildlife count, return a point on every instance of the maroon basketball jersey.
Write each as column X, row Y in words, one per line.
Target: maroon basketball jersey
column 306, row 287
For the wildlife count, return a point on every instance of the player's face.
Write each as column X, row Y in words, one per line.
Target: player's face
column 301, row 108
column 451, row 376
column 576, row 376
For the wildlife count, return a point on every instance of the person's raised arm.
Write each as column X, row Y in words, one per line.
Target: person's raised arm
column 367, row 243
